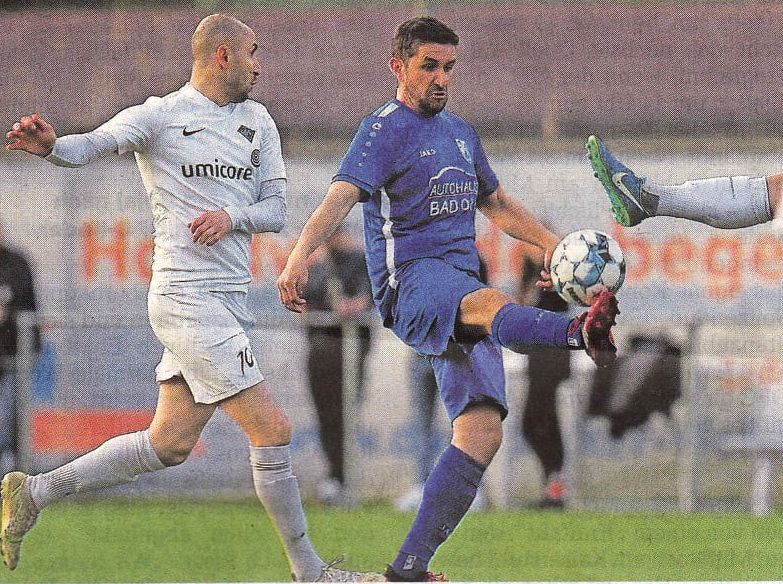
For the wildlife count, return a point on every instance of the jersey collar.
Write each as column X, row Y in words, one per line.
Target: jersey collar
column 204, row 101
column 417, row 114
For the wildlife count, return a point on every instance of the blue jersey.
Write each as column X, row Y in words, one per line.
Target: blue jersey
column 422, row 177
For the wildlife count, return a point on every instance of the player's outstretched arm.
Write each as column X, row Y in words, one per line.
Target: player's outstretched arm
column 339, row 201
column 511, row 217
column 32, row 134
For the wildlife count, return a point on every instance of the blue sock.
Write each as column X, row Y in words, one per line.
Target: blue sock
column 519, row 328
column 448, row 494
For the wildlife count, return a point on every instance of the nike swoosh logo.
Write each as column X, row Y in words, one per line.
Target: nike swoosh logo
column 186, row 132
column 617, row 179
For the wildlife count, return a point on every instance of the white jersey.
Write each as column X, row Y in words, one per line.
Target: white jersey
column 196, row 156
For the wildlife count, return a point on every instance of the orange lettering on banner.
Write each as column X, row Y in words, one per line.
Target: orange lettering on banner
column 114, row 250
column 133, row 258
column 144, row 259
column 767, row 259
column 678, row 257
column 770, row 373
column 718, row 264
column 723, row 266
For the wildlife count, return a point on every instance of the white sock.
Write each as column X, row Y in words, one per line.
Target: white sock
column 762, row 485
column 118, row 460
column 724, row 202
column 278, row 491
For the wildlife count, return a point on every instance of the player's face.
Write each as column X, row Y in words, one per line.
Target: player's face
column 423, row 80
column 244, row 68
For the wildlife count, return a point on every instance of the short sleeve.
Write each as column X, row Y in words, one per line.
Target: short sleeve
column 369, row 161
column 135, row 127
column 488, row 181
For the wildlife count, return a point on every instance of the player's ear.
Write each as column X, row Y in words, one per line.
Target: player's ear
column 396, row 65
column 222, row 56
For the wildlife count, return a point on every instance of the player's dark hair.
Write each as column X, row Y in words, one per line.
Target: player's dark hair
column 416, row 31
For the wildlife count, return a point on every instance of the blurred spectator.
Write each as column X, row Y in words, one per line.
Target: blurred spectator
column 643, row 381
column 338, row 285
column 547, row 368
column 17, row 293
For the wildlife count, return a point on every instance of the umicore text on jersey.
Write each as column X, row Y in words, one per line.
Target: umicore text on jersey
column 217, row 170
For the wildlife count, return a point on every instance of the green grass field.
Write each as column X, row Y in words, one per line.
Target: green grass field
column 197, row 542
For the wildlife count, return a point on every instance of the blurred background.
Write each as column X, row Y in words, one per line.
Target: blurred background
column 678, row 89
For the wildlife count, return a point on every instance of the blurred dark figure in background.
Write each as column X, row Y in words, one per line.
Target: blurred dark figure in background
column 645, row 380
column 339, row 285
column 17, row 293
column 547, row 368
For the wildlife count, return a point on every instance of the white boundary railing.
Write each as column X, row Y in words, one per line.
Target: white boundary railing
column 731, row 409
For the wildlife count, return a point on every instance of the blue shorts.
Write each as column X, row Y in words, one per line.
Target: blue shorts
column 426, row 301
column 470, row 374
column 424, row 314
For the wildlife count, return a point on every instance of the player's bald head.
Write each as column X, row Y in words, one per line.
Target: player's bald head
column 216, row 30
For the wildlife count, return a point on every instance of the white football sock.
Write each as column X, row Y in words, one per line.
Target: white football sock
column 762, row 485
column 278, row 491
column 724, row 202
column 118, row 460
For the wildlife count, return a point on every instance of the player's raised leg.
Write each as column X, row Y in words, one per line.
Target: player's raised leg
column 117, row 461
column 269, row 433
column 622, row 185
column 490, row 311
column 724, row 202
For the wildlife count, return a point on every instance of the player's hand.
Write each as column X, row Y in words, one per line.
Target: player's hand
column 544, row 277
column 545, row 280
column 291, row 284
column 32, row 134
column 210, row 227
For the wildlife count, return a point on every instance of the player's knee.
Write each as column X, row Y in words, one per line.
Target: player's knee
column 481, row 444
column 281, row 431
column 478, row 309
column 273, row 429
column 173, row 452
column 491, row 438
column 175, row 455
column 479, row 433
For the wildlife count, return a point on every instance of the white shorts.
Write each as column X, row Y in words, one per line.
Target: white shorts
column 204, row 335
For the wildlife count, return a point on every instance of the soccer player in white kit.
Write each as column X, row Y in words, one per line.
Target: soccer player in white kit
column 211, row 162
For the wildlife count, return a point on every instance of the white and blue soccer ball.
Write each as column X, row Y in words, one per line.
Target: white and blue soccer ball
column 584, row 264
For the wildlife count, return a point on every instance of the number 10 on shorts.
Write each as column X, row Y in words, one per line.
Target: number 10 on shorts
column 246, row 359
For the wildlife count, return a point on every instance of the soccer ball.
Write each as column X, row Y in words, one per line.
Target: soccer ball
column 584, row 264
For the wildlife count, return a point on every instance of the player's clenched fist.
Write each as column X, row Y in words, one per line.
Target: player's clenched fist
column 291, row 283
column 32, row 134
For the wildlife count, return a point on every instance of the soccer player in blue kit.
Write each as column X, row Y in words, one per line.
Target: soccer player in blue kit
column 421, row 173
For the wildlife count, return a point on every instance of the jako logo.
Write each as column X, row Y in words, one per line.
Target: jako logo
column 217, row 170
